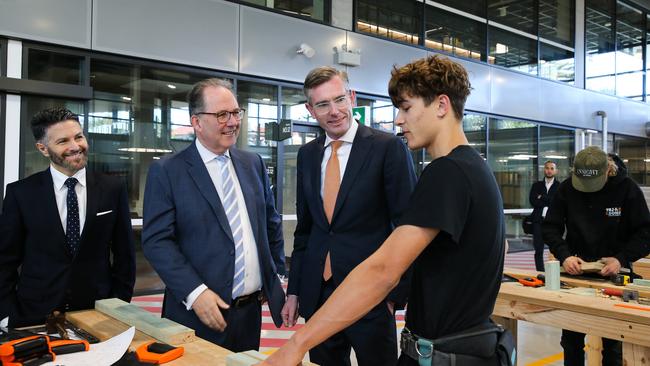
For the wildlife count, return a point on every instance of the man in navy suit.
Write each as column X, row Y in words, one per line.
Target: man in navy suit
column 338, row 229
column 211, row 230
column 541, row 196
column 65, row 232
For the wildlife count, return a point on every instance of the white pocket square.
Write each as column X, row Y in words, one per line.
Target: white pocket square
column 104, row 213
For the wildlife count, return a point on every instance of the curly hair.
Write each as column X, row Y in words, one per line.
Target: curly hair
column 428, row 78
column 48, row 117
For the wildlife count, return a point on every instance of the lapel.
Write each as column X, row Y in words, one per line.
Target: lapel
column 199, row 174
column 246, row 177
column 47, row 197
column 93, row 194
column 315, row 165
column 360, row 148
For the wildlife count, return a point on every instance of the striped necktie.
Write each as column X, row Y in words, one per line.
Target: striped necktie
column 229, row 201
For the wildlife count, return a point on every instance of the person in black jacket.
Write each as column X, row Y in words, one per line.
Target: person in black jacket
column 541, row 196
column 606, row 218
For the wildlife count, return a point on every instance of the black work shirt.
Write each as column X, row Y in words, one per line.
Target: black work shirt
column 457, row 277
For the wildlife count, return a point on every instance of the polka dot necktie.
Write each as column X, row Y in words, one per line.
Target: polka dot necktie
column 72, row 220
column 231, row 207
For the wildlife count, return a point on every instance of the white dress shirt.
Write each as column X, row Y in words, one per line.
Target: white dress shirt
column 253, row 274
column 548, row 182
column 343, row 153
column 61, row 195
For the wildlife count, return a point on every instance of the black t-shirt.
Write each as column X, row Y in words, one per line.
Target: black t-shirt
column 457, row 277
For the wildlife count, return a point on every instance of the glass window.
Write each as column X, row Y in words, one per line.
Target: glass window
column 556, row 145
column 55, row 67
column 635, row 154
column 556, row 63
column 256, row 131
column 600, row 63
column 475, row 127
column 455, row 34
column 313, row 9
column 557, row 21
column 629, row 51
column 293, row 105
column 395, row 19
column 513, row 51
column 382, row 115
column 32, row 161
column 475, row 7
column 647, row 52
column 519, row 15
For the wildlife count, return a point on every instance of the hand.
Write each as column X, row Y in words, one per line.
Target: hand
column 287, row 355
column 612, row 266
column 206, row 307
column 391, row 306
column 572, row 265
column 290, row 311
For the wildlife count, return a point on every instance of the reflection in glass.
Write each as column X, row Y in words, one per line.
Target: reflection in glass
column 519, row 15
column 556, row 63
column 599, row 37
column 635, row 153
column 475, row 127
column 475, row 7
column 629, row 54
column 556, row 145
column 382, row 115
column 293, row 105
column 557, row 21
column 455, row 34
column 54, row 67
column 395, row 19
column 513, row 51
column 313, row 9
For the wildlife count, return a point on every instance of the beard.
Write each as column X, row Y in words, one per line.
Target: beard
column 70, row 161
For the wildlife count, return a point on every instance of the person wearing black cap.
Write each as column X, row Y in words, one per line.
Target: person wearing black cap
column 606, row 218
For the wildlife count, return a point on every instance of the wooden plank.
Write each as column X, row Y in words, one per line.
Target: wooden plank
column 634, row 354
column 572, row 281
column 593, row 350
column 578, row 322
column 161, row 329
column 198, row 352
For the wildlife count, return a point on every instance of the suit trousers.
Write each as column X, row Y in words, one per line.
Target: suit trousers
column 373, row 338
column 538, row 244
column 244, row 325
column 574, row 354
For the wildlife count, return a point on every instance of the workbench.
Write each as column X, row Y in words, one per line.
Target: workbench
column 595, row 316
column 198, row 352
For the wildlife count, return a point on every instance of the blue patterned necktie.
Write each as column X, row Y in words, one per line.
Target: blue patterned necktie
column 72, row 221
column 231, row 207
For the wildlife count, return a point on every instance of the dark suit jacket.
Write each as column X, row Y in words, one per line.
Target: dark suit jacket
column 539, row 189
column 375, row 189
column 32, row 238
column 187, row 238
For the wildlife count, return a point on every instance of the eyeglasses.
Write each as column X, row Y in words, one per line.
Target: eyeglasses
column 340, row 102
column 224, row 116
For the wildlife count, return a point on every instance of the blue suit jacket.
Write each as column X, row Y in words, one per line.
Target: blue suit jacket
column 187, row 238
column 375, row 189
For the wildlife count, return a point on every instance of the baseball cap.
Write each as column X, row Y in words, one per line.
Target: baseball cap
column 589, row 170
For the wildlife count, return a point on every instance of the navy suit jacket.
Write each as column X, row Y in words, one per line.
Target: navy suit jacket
column 31, row 236
column 186, row 235
column 545, row 199
column 375, row 189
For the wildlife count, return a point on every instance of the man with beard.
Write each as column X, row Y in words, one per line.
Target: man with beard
column 211, row 230
column 541, row 196
column 65, row 232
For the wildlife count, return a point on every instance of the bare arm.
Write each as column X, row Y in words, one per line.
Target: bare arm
column 365, row 286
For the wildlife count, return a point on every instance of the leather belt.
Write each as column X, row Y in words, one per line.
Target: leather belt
column 242, row 301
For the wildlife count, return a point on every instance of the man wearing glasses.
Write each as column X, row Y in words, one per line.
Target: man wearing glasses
column 353, row 184
column 211, row 230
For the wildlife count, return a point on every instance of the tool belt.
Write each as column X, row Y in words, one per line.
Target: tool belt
column 486, row 344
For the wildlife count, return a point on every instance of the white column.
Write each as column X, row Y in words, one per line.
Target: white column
column 12, row 122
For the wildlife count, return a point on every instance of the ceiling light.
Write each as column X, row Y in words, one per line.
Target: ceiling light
column 171, row 86
column 143, row 149
column 266, row 99
column 560, row 157
column 501, row 48
column 128, row 99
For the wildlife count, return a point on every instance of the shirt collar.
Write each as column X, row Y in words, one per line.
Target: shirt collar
column 207, row 155
column 59, row 178
column 549, row 180
column 347, row 137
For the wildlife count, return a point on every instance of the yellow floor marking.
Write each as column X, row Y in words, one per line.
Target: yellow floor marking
column 547, row 360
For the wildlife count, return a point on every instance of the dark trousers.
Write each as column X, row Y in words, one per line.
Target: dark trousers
column 538, row 244
column 373, row 338
column 574, row 354
column 243, row 330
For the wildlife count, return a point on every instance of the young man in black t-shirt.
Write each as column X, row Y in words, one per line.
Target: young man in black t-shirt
column 453, row 230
